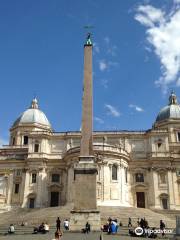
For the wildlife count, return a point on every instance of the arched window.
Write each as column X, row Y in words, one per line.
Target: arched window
column 114, row 172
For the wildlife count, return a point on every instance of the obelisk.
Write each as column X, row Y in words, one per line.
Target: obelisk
column 86, row 148
column 85, row 171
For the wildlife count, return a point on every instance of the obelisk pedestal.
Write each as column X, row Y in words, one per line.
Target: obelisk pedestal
column 85, row 207
column 85, row 171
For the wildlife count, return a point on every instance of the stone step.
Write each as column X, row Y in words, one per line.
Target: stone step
column 35, row 216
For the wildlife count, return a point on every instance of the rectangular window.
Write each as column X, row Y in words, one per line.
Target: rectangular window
column 139, row 177
column 16, row 188
column 31, row 202
column 36, row 147
column 178, row 136
column 25, row 140
column 178, row 173
column 33, row 177
column 99, row 174
column 13, row 141
column 126, row 175
column 55, row 178
column 114, row 172
column 162, row 178
column 18, row 172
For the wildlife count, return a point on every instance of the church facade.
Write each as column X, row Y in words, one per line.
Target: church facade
column 140, row 169
column 135, row 168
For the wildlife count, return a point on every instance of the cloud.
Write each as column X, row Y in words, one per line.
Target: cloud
column 103, row 65
column 107, row 40
column 149, row 15
column 163, row 34
column 99, row 120
column 3, row 141
column 104, row 82
column 110, row 49
column 177, row 1
column 96, row 47
column 112, row 110
column 106, row 65
column 137, row 108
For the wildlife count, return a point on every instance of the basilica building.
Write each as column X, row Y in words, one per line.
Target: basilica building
column 43, row 168
column 135, row 168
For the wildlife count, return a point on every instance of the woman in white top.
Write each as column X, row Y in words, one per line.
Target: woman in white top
column 66, row 224
column 46, row 227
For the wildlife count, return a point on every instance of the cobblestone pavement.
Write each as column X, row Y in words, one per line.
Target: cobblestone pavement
column 69, row 236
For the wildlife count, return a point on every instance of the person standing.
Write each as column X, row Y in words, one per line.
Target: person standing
column 88, row 228
column 129, row 222
column 58, row 224
column 162, row 227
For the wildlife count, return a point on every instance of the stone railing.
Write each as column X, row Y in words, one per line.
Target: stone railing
column 14, row 147
column 13, row 157
column 45, row 155
column 158, row 154
column 101, row 148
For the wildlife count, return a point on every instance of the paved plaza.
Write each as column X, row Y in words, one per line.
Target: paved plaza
column 70, row 236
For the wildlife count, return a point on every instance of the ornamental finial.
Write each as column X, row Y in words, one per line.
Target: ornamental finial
column 173, row 99
column 88, row 41
column 34, row 103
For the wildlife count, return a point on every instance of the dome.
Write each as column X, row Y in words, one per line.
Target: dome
column 33, row 115
column 171, row 111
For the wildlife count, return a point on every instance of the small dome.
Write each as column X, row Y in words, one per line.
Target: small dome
column 33, row 115
column 171, row 111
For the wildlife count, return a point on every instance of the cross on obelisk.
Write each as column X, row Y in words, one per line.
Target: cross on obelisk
column 85, row 171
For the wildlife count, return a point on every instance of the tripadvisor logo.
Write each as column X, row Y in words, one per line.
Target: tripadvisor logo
column 139, row 231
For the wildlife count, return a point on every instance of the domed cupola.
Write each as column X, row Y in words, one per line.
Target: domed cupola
column 169, row 112
column 33, row 116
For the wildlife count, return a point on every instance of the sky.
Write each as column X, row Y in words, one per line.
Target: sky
column 136, row 60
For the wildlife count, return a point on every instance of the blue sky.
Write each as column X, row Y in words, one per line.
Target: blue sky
column 136, row 60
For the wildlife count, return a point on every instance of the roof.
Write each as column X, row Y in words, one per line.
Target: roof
column 171, row 111
column 32, row 115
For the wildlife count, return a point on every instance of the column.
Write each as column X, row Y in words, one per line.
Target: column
column 171, row 190
column 155, row 190
column 22, row 190
column 123, row 185
column 26, row 188
column 40, row 187
column 176, row 190
column 10, row 188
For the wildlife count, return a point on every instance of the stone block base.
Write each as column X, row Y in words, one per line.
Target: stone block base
column 79, row 219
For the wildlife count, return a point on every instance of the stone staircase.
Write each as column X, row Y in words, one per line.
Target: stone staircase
column 169, row 213
column 123, row 213
column 34, row 217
